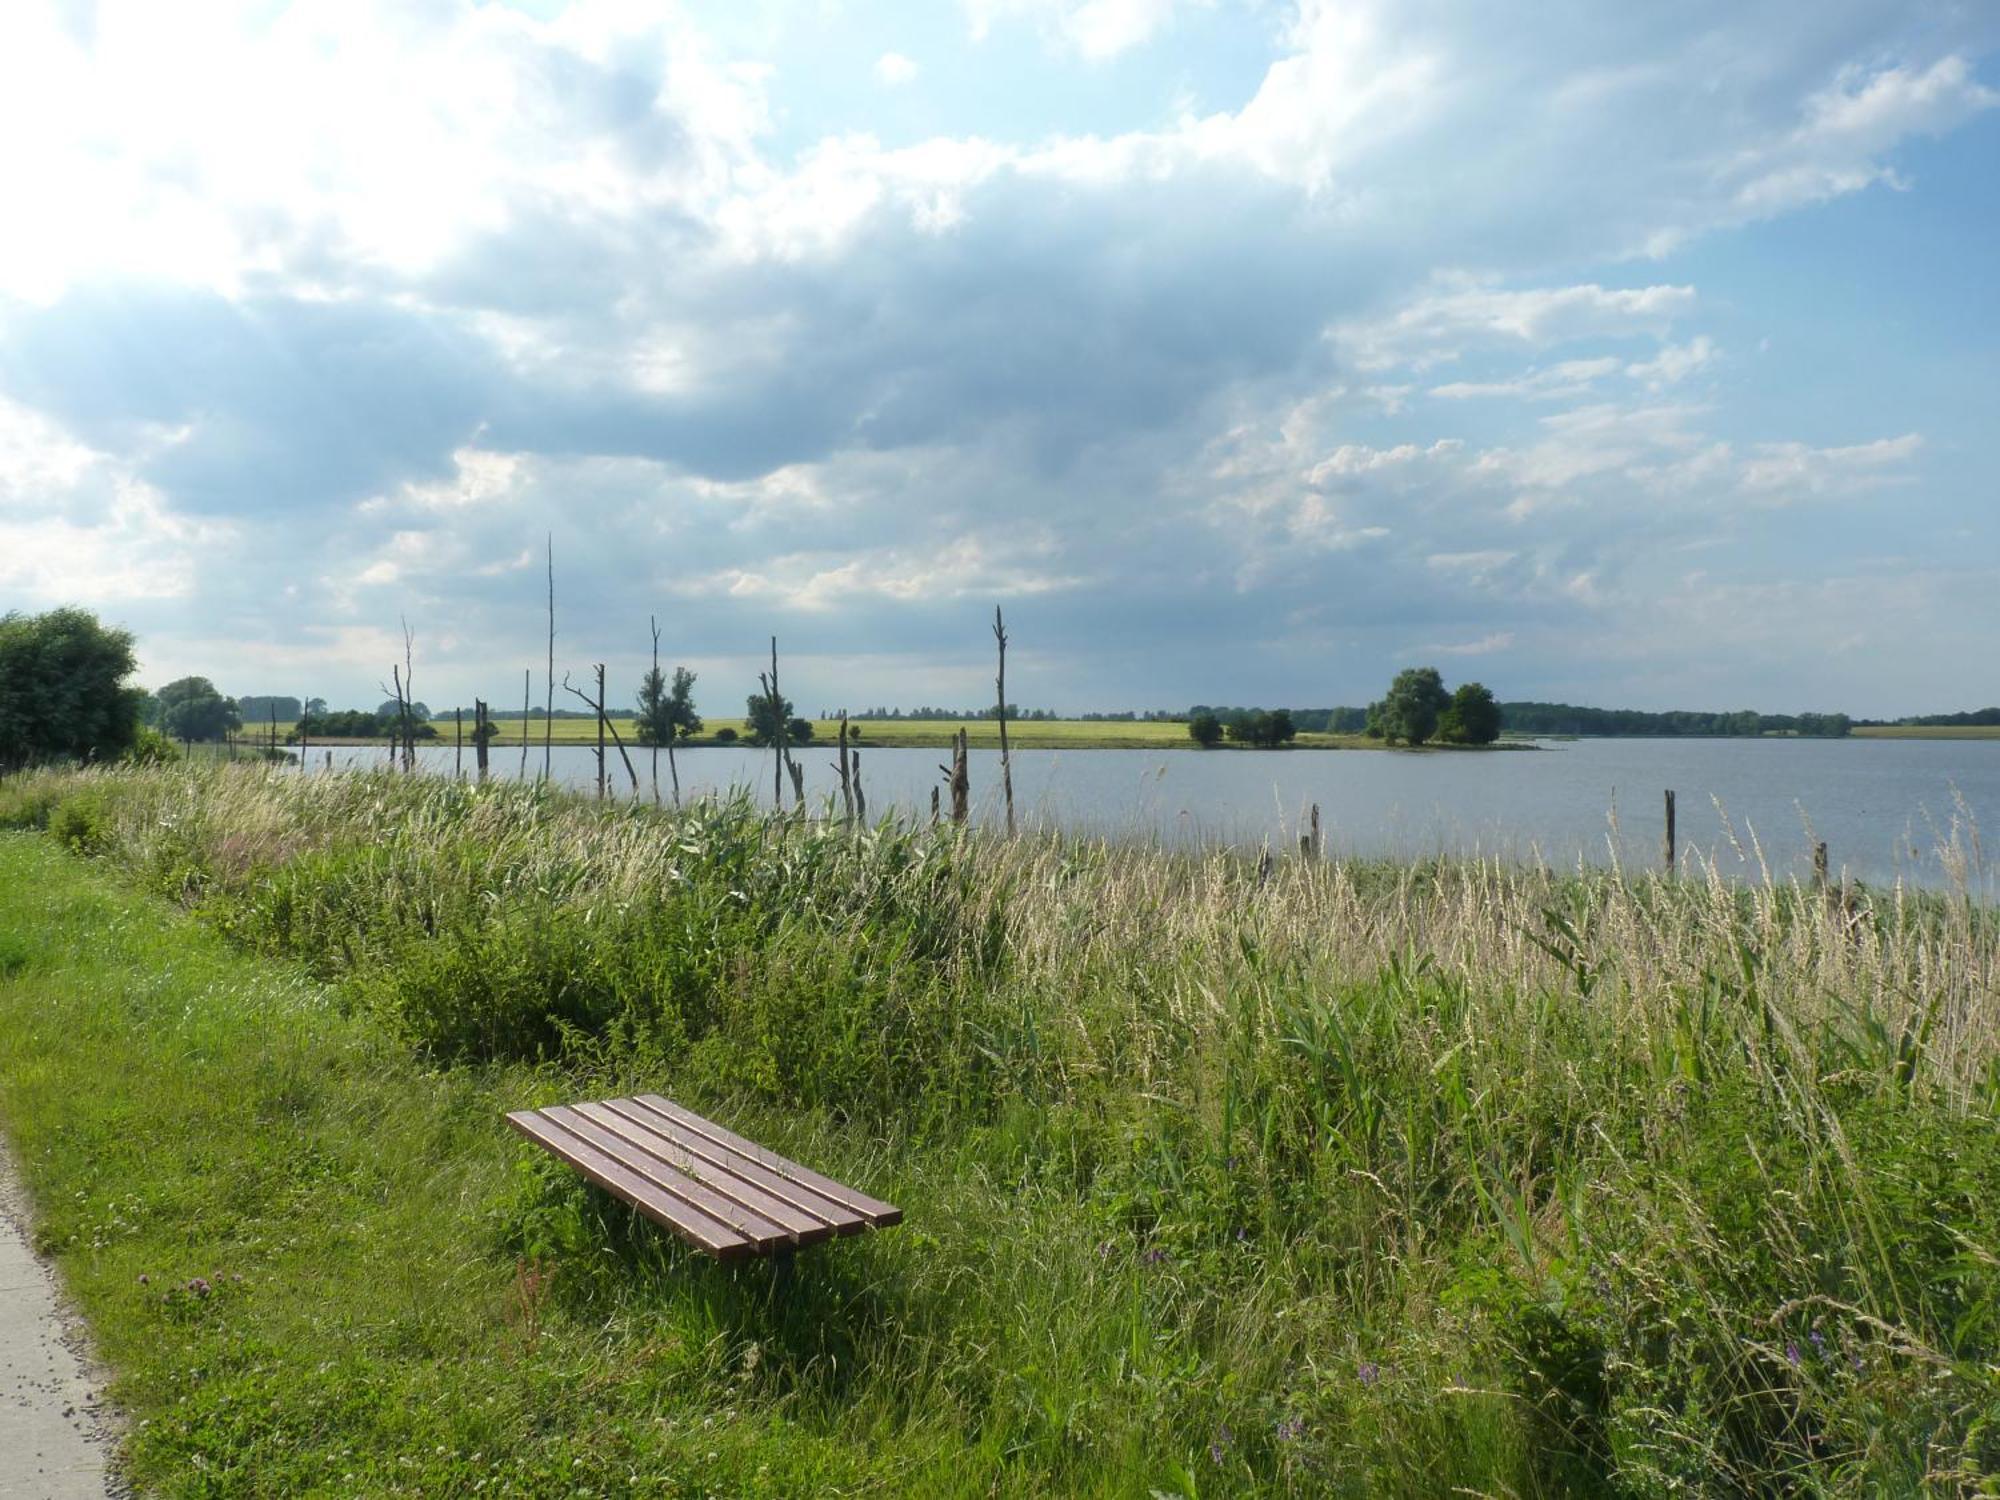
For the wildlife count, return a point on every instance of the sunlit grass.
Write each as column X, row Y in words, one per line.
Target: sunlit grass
column 1349, row 1178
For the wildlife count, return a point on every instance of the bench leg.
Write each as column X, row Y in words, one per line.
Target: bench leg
column 781, row 1273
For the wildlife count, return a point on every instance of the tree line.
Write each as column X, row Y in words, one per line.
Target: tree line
column 1568, row 718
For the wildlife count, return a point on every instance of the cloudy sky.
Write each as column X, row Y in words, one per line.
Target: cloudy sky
column 1246, row 350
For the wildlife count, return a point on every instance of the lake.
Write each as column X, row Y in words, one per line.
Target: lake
column 1885, row 808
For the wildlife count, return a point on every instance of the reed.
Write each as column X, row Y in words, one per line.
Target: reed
column 1326, row 1177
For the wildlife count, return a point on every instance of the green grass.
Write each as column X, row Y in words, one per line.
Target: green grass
column 1048, row 734
column 1364, row 1180
column 1927, row 732
column 1057, row 734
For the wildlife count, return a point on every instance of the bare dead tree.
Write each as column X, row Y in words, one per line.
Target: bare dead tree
column 777, row 731
column 958, row 776
column 527, row 681
column 845, row 771
column 596, row 705
column 394, row 687
column 1000, row 687
column 549, row 712
column 658, row 686
column 673, row 770
column 860, row 797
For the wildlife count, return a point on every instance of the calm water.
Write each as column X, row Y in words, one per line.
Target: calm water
column 1883, row 807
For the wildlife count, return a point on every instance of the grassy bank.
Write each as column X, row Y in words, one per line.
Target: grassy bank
column 983, row 734
column 1927, row 731
column 1362, row 1180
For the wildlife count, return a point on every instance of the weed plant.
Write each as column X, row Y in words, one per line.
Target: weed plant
column 1333, row 1179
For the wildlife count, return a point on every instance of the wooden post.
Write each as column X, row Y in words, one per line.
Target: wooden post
column 1820, row 873
column 934, row 807
column 1000, row 686
column 961, row 780
column 1667, row 843
column 860, row 797
column 305, row 735
column 480, row 736
column 274, row 724
column 798, row 775
column 458, row 744
column 846, row 772
column 527, row 677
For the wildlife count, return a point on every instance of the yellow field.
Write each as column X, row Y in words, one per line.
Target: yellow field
column 1929, row 732
column 1056, row 734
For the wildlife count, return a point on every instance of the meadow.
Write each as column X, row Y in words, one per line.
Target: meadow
column 1331, row 1178
column 982, row 734
column 1927, row 731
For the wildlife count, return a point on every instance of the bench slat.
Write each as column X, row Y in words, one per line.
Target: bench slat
column 760, row 1231
column 798, row 1225
column 873, row 1210
column 838, row 1217
column 712, row 1235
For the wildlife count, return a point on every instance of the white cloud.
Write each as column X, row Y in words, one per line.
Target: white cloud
column 1674, row 363
column 1562, row 381
column 893, row 68
column 1093, row 29
column 1439, row 325
column 1787, row 471
column 1850, row 126
column 1351, row 459
column 1486, row 645
column 77, row 525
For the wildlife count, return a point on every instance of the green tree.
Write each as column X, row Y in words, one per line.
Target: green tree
column 1249, row 728
column 1264, row 728
column 764, row 716
column 62, row 688
column 1472, row 718
column 1415, row 700
column 191, row 709
column 666, row 712
column 1205, row 730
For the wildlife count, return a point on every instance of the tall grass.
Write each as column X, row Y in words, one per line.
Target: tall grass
column 1359, row 1178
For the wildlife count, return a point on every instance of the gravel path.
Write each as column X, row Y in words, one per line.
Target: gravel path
column 57, row 1432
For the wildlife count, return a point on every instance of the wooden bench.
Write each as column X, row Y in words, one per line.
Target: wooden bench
column 724, row 1194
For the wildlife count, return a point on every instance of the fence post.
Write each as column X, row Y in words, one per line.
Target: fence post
column 1667, row 843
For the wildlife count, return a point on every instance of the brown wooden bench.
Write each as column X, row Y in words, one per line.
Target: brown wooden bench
column 724, row 1194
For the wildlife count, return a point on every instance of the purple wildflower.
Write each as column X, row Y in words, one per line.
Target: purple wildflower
column 199, row 1287
column 1221, row 1444
column 1370, row 1372
column 1155, row 1256
column 144, row 1279
column 1792, row 1355
column 1242, row 1235
column 1291, row 1429
column 1818, row 1342
column 1104, row 1251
